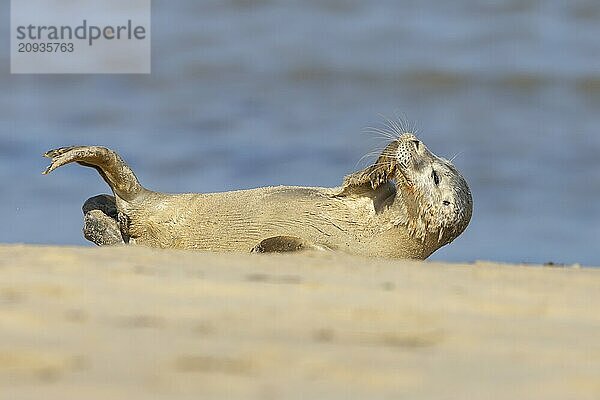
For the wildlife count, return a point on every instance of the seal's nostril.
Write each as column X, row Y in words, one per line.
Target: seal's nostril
column 416, row 143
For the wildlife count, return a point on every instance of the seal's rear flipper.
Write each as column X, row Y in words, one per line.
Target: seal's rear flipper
column 102, row 202
column 101, row 229
column 283, row 244
column 100, row 221
column 109, row 165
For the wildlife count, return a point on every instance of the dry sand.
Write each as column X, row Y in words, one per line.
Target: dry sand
column 135, row 323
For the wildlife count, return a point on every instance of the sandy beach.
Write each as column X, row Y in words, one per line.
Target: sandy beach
column 136, row 323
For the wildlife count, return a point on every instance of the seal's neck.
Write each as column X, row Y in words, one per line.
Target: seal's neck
column 403, row 210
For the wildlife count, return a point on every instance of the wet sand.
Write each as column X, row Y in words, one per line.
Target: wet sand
column 135, row 323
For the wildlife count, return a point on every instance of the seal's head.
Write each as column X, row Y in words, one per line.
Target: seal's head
column 433, row 190
column 434, row 199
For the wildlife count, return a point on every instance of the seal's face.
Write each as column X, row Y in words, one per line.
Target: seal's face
column 437, row 193
column 432, row 199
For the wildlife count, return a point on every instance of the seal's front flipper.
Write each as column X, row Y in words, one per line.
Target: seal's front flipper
column 283, row 244
column 373, row 176
column 100, row 221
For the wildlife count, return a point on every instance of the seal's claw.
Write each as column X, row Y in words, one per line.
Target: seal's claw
column 53, row 165
column 60, row 151
column 53, row 155
column 60, row 157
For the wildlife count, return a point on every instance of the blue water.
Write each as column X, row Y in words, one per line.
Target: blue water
column 252, row 93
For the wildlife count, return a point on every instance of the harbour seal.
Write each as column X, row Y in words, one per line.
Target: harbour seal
column 407, row 204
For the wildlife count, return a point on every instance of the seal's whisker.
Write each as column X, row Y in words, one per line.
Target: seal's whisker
column 369, row 154
column 405, row 124
column 380, row 132
column 410, row 126
column 374, row 152
column 399, row 124
column 381, row 164
column 384, row 136
column 386, row 152
column 397, row 127
column 383, row 132
column 372, row 129
column 389, row 125
column 403, row 120
column 415, row 128
column 455, row 155
column 441, row 234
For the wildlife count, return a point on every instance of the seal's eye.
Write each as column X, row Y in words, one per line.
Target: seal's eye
column 436, row 177
column 446, row 202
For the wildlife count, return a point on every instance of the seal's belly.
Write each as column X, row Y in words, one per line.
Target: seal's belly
column 240, row 220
